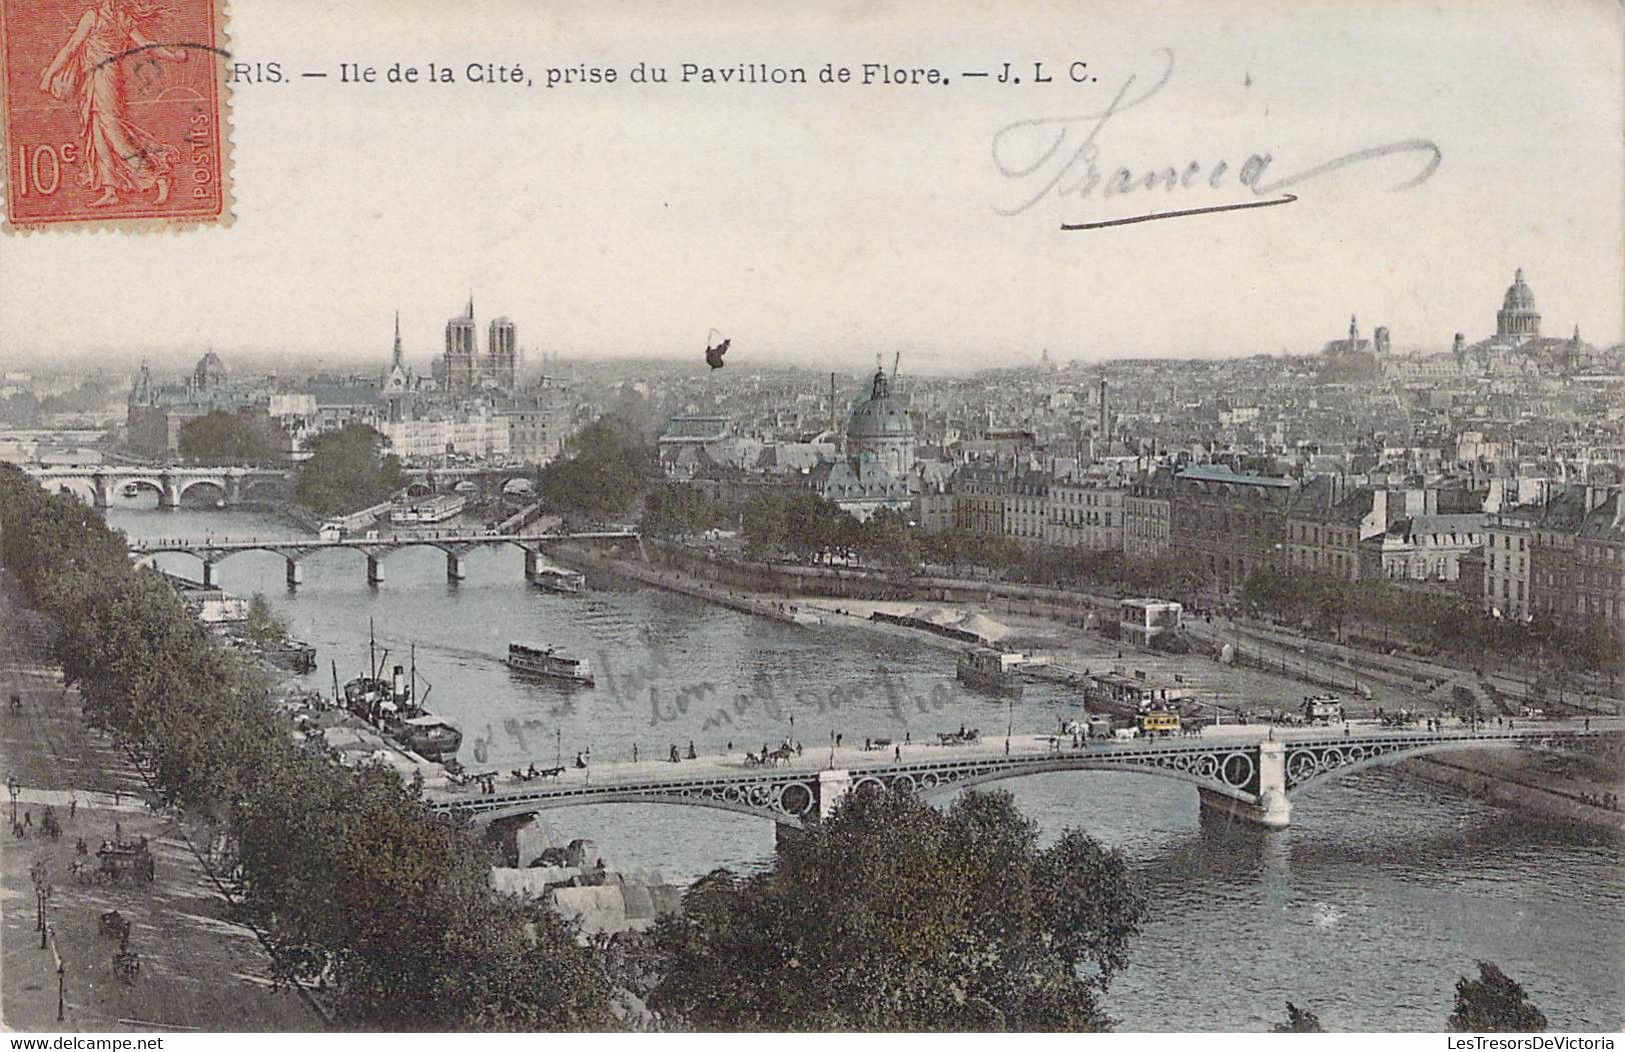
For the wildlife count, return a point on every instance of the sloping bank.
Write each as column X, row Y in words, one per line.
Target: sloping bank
column 1564, row 788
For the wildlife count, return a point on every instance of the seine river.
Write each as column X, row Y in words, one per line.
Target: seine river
column 1381, row 894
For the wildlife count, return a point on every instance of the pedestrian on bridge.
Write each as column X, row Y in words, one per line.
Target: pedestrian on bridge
column 634, row 752
column 899, row 753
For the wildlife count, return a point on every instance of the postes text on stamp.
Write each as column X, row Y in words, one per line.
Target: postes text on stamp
column 113, row 113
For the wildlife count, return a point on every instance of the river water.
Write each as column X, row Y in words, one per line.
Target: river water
column 1366, row 910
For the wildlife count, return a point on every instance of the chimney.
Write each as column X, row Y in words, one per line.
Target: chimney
column 1105, row 411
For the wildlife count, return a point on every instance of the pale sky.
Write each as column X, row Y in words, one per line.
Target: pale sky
column 831, row 222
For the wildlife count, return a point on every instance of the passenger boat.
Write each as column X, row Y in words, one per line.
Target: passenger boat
column 992, row 670
column 130, row 490
column 567, row 582
column 417, row 511
column 551, row 662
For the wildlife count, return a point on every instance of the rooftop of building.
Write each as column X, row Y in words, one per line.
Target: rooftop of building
column 1225, row 474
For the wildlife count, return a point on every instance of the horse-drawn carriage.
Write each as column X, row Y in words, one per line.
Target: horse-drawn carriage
column 116, row 925
column 783, row 754
column 127, row 966
column 961, row 737
column 121, row 860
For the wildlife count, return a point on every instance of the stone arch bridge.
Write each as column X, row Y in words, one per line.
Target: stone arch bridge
column 1243, row 778
column 96, row 482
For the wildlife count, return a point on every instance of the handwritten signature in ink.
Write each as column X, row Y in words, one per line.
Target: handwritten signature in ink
column 1059, row 158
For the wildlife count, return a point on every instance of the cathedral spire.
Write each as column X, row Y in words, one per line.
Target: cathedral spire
column 395, row 359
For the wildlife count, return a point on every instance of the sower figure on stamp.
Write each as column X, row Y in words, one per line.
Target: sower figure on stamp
column 118, row 155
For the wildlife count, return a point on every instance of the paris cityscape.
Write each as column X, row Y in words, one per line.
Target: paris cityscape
column 1020, row 695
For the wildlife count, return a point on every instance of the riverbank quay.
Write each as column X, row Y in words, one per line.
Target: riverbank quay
column 199, row 968
column 1567, row 788
column 1056, row 621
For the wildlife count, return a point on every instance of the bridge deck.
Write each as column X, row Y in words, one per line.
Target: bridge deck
column 1036, row 752
column 383, row 540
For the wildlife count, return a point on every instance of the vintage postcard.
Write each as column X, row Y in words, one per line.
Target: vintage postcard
column 836, row 518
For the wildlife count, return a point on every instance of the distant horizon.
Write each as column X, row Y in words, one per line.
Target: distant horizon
column 265, row 360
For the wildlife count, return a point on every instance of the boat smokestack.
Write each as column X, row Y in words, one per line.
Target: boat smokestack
column 398, row 683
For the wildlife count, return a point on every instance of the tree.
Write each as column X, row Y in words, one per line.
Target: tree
column 606, row 469
column 671, row 510
column 1298, row 1021
column 892, row 915
column 348, row 470
column 263, row 624
column 1495, row 1004
column 229, row 438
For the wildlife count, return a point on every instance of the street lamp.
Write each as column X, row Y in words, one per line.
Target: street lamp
column 12, row 785
column 61, row 979
column 43, row 891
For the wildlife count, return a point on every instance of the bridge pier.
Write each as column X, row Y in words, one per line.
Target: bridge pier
column 211, row 576
column 296, row 573
column 169, row 494
column 1272, row 810
column 103, row 492
column 533, row 563
column 455, row 570
column 832, row 789
column 375, row 569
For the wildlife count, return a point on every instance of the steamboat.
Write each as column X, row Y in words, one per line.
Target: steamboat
column 549, row 662
column 393, row 706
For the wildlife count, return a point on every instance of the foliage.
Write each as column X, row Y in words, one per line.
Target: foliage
column 229, row 438
column 1494, row 1004
column 348, row 470
column 1298, row 1021
column 263, row 625
column 672, row 511
column 1435, row 622
column 605, row 471
column 350, row 875
column 892, row 915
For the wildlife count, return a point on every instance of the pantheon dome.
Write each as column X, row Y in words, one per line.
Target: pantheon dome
column 1519, row 318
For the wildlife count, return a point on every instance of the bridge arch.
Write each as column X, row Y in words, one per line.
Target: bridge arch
column 191, row 484
column 79, row 486
column 1308, row 768
column 276, row 483
column 419, row 488
column 1239, row 785
column 522, row 485
column 118, row 485
column 715, row 802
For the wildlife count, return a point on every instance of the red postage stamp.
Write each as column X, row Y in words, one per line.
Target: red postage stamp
column 113, row 113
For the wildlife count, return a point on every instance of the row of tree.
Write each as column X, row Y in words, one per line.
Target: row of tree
column 1436, row 622
column 353, row 878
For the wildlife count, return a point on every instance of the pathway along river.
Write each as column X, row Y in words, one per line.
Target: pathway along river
column 1366, row 911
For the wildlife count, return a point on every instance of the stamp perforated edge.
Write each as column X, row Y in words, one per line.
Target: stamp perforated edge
column 149, row 224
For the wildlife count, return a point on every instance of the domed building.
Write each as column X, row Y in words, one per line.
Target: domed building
column 1518, row 319
column 210, row 371
column 880, row 426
